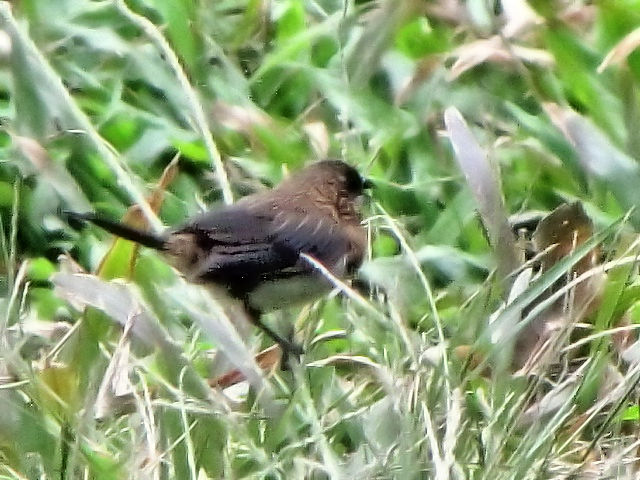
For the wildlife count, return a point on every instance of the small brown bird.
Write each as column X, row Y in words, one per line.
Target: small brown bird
column 254, row 247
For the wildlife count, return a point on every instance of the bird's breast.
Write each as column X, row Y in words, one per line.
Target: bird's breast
column 276, row 294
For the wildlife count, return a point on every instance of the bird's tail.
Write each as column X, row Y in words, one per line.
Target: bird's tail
column 121, row 230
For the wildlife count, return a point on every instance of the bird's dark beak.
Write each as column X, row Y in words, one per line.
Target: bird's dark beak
column 367, row 184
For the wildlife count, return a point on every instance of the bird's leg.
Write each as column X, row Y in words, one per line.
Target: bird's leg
column 288, row 347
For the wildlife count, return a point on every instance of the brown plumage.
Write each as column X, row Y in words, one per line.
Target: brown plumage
column 254, row 247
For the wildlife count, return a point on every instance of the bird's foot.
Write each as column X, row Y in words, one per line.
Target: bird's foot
column 290, row 350
column 289, row 347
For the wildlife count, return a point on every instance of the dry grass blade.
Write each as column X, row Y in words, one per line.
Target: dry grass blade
column 116, row 391
column 243, row 119
column 519, row 18
column 621, row 50
column 344, row 288
column 494, row 50
column 213, row 318
column 502, row 329
column 122, row 304
column 115, row 299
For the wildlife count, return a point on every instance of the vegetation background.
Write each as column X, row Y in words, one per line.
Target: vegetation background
column 464, row 113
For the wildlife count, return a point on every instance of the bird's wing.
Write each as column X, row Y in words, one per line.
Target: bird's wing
column 316, row 235
column 249, row 245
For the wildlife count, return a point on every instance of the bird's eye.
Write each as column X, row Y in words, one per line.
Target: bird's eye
column 354, row 183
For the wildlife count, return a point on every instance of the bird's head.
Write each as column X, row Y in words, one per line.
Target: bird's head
column 331, row 178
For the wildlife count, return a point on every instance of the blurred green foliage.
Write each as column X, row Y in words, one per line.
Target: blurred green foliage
column 98, row 97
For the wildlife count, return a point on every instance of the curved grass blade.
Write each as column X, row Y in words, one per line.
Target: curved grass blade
column 485, row 186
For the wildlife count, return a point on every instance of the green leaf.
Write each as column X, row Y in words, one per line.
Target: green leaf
column 417, row 38
column 291, row 22
column 631, row 413
column 180, row 16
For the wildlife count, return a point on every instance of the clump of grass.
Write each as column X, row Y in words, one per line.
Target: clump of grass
column 464, row 114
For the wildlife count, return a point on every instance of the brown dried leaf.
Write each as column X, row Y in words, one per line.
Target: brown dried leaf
column 168, row 176
column 136, row 218
column 318, row 137
column 134, row 215
column 116, row 394
column 475, row 53
column 494, row 50
column 535, row 56
column 268, row 359
column 519, row 18
column 559, row 116
column 626, row 343
column 239, row 118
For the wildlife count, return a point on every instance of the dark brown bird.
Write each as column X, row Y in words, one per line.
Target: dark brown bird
column 254, row 247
